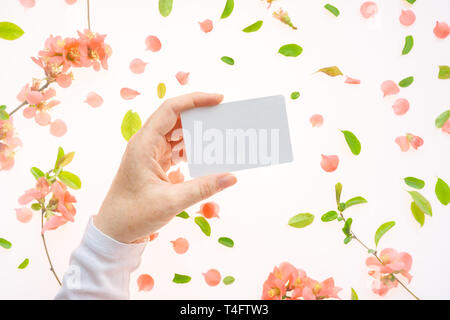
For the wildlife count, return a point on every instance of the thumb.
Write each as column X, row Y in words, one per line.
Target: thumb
column 190, row 192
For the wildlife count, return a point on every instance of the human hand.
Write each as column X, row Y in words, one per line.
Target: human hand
column 141, row 199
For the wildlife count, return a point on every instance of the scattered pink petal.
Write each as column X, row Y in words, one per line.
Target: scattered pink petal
column 403, row 143
column 407, row 17
column 71, row 1
column 176, row 176
column 369, row 9
column 209, row 210
column 182, row 77
column 64, row 80
column 350, row 80
column 316, row 120
column 152, row 43
column 28, row 3
column 42, row 118
column 29, row 112
column 137, row 66
column 94, row 100
column 441, row 30
column 329, row 163
column 389, row 87
column 401, row 106
column 145, row 282
column 181, row 245
column 128, row 93
column 24, row 215
column 58, row 128
column 446, row 127
column 415, row 141
column 206, row 25
column 153, row 236
column 212, row 277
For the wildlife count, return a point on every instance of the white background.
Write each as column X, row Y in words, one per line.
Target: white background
column 254, row 212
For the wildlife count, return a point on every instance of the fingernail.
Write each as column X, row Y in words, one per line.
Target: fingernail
column 226, row 181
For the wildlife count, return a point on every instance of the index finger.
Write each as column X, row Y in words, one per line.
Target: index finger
column 165, row 117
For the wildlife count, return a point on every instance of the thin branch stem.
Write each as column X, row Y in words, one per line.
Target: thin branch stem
column 88, row 15
column 45, row 86
column 52, row 269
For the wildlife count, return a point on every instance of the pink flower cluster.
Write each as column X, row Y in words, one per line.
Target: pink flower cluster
column 289, row 283
column 8, row 144
column 58, row 210
column 392, row 263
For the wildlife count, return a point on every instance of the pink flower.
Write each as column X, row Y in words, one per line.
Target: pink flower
column 38, row 193
column 97, row 51
column 315, row 290
column 8, row 144
column 446, row 127
column 441, row 30
column 75, row 53
column 64, row 200
column 283, row 16
column 273, row 288
column 206, row 26
column 53, row 223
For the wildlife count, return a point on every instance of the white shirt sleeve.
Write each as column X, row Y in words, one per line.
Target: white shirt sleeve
column 100, row 267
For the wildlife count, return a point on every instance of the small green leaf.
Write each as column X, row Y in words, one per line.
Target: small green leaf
column 165, row 7
column 411, row 1
column 421, row 202
column 181, row 278
column 5, row 243
column 228, row 280
column 329, row 216
column 442, row 191
column 36, row 172
column 347, row 239
column 161, row 90
column 332, row 9
column 36, row 206
column 10, row 31
column 183, row 214
column 352, row 141
column 3, row 107
column 227, row 60
column 371, row 251
column 341, row 206
column 442, row 119
column 338, row 189
column 354, row 201
column 24, row 264
column 415, row 182
column 406, row 82
column 339, row 218
column 291, row 50
column 4, row 115
column 347, row 227
column 253, row 27
column 58, row 157
column 331, row 71
column 417, row 214
column 69, row 179
column 301, row 220
column 229, row 6
column 227, row 242
column 66, row 159
column 385, row 227
column 295, row 95
column 409, row 43
column 204, row 225
column 444, row 72
column 354, row 296
column 131, row 124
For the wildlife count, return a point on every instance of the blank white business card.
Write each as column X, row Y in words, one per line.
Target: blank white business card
column 236, row 136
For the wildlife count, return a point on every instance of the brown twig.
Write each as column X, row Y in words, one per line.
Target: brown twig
column 52, row 269
column 89, row 15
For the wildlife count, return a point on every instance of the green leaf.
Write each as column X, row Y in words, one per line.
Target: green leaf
column 338, row 189
column 301, row 220
column 406, row 82
column 10, row 31
column 354, row 296
column 228, row 280
column 161, row 90
column 165, row 7
column 415, row 182
column 354, row 201
column 331, row 71
column 227, row 242
column 352, row 141
column 444, row 72
column 371, row 251
column 204, row 225
column 347, row 227
column 58, row 157
column 3, row 107
column 5, row 243
column 229, row 6
column 411, row 1
column 36, row 172
column 347, row 239
column 291, row 50
column 332, row 9
column 409, row 43
column 417, row 214
column 36, row 206
column 339, row 218
column 4, row 115
column 341, row 206
column 227, row 60
column 24, row 264
column 385, row 227
column 253, row 27
column 66, row 159
column 69, row 179
column 181, row 278
column 442, row 119
column 131, row 124
column 421, row 202
column 329, row 216
column 295, row 95
column 442, row 191
column 183, row 214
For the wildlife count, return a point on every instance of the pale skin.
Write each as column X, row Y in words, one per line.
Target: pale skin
column 141, row 199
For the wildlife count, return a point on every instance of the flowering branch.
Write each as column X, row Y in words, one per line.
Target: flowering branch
column 45, row 86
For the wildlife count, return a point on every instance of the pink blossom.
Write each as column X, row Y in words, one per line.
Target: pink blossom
column 38, row 193
column 206, row 26
column 53, row 223
column 9, row 142
column 441, row 30
column 315, row 290
column 64, row 200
